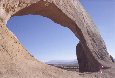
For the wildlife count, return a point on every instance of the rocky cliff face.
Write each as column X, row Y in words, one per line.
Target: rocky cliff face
column 69, row 13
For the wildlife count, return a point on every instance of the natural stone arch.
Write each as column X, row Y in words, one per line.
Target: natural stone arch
column 68, row 13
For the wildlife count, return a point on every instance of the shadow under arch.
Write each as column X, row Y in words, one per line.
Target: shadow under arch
column 51, row 11
column 72, row 15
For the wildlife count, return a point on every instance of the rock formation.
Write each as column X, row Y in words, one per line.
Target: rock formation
column 68, row 13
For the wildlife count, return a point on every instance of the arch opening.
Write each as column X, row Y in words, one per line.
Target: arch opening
column 51, row 11
column 46, row 41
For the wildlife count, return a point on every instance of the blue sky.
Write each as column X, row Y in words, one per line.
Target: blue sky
column 47, row 40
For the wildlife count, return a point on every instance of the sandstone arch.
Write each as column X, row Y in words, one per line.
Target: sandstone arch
column 68, row 13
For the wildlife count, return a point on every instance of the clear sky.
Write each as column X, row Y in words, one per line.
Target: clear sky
column 47, row 40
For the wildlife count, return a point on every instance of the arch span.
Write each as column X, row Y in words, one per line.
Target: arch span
column 71, row 14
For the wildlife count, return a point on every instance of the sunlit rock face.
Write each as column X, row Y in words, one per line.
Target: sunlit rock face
column 3, row 14
column 16, row 62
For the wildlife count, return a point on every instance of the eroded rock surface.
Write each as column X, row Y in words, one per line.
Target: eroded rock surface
column 16, row 62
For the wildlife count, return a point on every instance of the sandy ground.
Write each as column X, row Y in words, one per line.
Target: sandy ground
column 35, row 69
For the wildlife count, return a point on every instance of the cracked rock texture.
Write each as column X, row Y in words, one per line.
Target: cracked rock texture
column 16, row 62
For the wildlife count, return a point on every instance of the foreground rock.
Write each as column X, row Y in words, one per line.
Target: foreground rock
column 16, row 62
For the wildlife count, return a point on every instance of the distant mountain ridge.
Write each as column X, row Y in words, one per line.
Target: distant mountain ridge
column 66, row 62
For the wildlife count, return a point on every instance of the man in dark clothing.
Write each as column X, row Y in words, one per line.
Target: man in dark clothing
column 112, row 59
